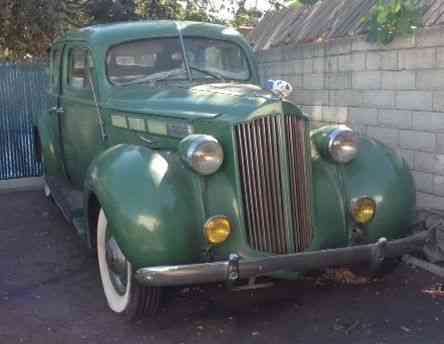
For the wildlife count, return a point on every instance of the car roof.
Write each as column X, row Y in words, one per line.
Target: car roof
column 111, row 34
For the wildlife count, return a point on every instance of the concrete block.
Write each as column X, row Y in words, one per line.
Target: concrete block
column 414, row 100
column 438, row 185
column 423, row 181
column 407, row 155
column 430, row 79
column 440, row 57
column 319, row 64
column 382, row 60
column 361, row 129
column 308, row 66
column 360, row 43
column 272, row 55
column 310, row 97
column 290, row 52
column 331, row 64
column 428, row 121
column 313, row 81
column 316, row 124
column 401, row 42
column 337, row 114
column 404, row 80
column 417, row 140
column 428, row 201
column 363, row 116
column 315, row 112
column 338, row 81
column 345, row 98
column 296, row 66
column 378, row 99
column 417, row 58
column 354, row 62
column 295, row 80
column 429, row 162
column 440, row 143
column 338, row 46
column 430, row 37
column 401, row 119
column 388, row 136
column 438, row 101
column 366, row 80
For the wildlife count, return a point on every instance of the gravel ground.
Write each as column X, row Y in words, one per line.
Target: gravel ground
column 50, row 292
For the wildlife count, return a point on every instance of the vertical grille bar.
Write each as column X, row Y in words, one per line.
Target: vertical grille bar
column 259, row 155
column 300, row 172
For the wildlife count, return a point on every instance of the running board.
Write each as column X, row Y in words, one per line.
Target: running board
column 69, row 201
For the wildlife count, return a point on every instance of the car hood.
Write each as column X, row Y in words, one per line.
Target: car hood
column 196, row 101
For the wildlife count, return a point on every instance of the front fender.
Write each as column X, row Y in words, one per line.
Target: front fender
column 378, row 172
column 149, row 202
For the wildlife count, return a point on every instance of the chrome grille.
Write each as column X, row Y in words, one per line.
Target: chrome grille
column 274, row 166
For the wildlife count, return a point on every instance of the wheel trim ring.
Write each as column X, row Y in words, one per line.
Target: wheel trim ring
column 117, row 265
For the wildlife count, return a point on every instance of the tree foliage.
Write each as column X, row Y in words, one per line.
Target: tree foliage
column 397, row 17
column 27, row 28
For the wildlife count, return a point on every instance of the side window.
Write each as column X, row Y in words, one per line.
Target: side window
column 77, row 72
column 54, row 82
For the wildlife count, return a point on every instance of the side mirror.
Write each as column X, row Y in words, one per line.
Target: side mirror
column 280, row 88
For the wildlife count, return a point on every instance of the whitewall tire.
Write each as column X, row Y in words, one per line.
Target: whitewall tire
column 123, row 294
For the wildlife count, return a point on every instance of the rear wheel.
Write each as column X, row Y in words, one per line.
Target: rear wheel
column 123, row 293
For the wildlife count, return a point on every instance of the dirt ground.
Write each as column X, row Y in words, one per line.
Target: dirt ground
column 50, row 292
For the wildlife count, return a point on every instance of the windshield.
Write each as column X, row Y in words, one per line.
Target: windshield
column 151, row 60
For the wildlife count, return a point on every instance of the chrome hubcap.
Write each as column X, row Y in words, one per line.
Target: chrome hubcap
column 117, row 265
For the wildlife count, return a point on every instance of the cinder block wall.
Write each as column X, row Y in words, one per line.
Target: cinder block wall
column 393, row 93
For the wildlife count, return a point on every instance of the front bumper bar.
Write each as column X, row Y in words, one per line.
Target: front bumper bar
column 236, row 268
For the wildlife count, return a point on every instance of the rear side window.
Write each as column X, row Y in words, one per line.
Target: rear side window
column 77, row 72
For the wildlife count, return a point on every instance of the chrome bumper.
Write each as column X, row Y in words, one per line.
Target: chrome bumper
column 236, row 268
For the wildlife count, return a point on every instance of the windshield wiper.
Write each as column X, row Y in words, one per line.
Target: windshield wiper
column 212, row 74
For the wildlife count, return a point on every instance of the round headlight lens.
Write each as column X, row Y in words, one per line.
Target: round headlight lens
column 217, row 230
column 343, row 145
column 204, row 154
column 363, row 210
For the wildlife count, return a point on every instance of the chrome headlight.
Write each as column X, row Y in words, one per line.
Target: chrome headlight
column 203, row 153
column 343, row 145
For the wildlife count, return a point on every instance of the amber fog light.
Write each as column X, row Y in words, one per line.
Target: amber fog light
column 217, row 229
column 363, row 210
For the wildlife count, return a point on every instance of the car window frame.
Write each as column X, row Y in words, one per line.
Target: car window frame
column 250, row 73
column 79, row 92
column 56, row 70
column 246, row 56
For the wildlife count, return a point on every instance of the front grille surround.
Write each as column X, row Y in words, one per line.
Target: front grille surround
column 275, row 174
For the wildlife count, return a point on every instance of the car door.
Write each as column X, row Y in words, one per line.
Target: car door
column 80, row 132
column 54, row 157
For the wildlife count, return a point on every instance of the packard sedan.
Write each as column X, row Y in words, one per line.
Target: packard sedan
column 177, row 168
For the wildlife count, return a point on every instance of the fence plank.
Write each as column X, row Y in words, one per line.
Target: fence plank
column 22, row 96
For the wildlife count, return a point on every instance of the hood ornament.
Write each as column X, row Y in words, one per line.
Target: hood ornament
column 279, row 88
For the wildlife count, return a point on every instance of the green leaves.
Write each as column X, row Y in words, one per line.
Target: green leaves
column 397, row 17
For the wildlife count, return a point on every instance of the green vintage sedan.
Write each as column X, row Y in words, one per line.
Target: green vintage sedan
column 177, row 168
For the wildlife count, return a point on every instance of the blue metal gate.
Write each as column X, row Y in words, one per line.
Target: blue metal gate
column 22, row 96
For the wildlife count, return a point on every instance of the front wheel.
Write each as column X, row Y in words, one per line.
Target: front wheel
column 123, row 293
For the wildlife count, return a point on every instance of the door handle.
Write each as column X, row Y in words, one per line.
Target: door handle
column 57, row 110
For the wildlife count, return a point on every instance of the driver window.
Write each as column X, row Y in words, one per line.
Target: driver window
column 77, row 73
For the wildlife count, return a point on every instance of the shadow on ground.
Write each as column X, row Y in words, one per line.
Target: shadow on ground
column 50, row 293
